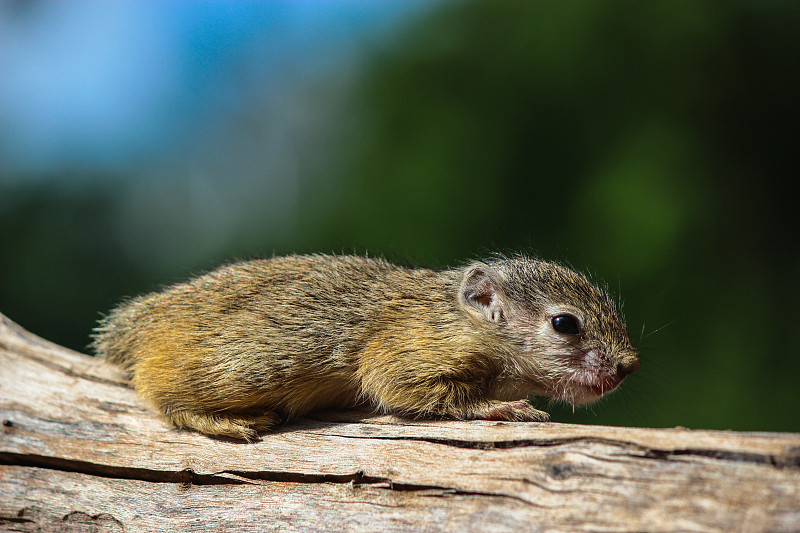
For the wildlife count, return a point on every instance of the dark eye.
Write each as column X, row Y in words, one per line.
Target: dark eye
column 567, row 324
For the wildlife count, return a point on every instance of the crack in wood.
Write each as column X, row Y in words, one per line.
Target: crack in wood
column 188, row 476
column 791, row 460
column 15, row 519
column 185, row 476
column 356, row 478
column 33, row 518
column 481, row 494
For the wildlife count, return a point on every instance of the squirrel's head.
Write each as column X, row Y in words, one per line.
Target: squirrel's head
column 564, row 336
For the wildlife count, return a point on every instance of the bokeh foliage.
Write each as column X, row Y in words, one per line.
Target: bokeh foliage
column 650, row 144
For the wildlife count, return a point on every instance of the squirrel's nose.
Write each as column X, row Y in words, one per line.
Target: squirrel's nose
column 628, row 365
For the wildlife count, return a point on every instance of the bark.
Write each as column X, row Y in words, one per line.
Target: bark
column 80, row 452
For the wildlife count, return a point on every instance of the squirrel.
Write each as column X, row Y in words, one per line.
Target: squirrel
column 255, row 343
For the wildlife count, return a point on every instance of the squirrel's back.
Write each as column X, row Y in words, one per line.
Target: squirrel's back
column 312, row 302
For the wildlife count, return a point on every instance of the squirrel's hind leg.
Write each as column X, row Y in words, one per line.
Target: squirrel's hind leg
column 225, row 424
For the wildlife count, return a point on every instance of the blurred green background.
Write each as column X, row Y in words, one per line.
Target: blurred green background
column 650, row 144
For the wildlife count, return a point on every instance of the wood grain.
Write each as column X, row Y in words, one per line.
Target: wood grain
column 80, row 452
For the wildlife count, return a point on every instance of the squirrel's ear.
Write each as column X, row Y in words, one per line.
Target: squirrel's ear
column 480, row 293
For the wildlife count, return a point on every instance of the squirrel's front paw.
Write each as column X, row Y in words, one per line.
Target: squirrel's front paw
column 519, row 411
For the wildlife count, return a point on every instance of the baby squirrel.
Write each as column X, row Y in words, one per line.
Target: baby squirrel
column 244, row 347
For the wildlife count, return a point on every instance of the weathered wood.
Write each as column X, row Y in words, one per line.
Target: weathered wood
column 79, row 452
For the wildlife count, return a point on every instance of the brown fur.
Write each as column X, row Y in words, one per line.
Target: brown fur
column 253, row 343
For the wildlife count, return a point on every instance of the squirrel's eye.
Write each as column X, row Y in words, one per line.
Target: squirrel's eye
column 567, row 324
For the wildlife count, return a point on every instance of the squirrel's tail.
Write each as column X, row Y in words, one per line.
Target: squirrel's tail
column 115, row 339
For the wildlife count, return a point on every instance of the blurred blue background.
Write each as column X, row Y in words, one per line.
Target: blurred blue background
column 652, row 145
